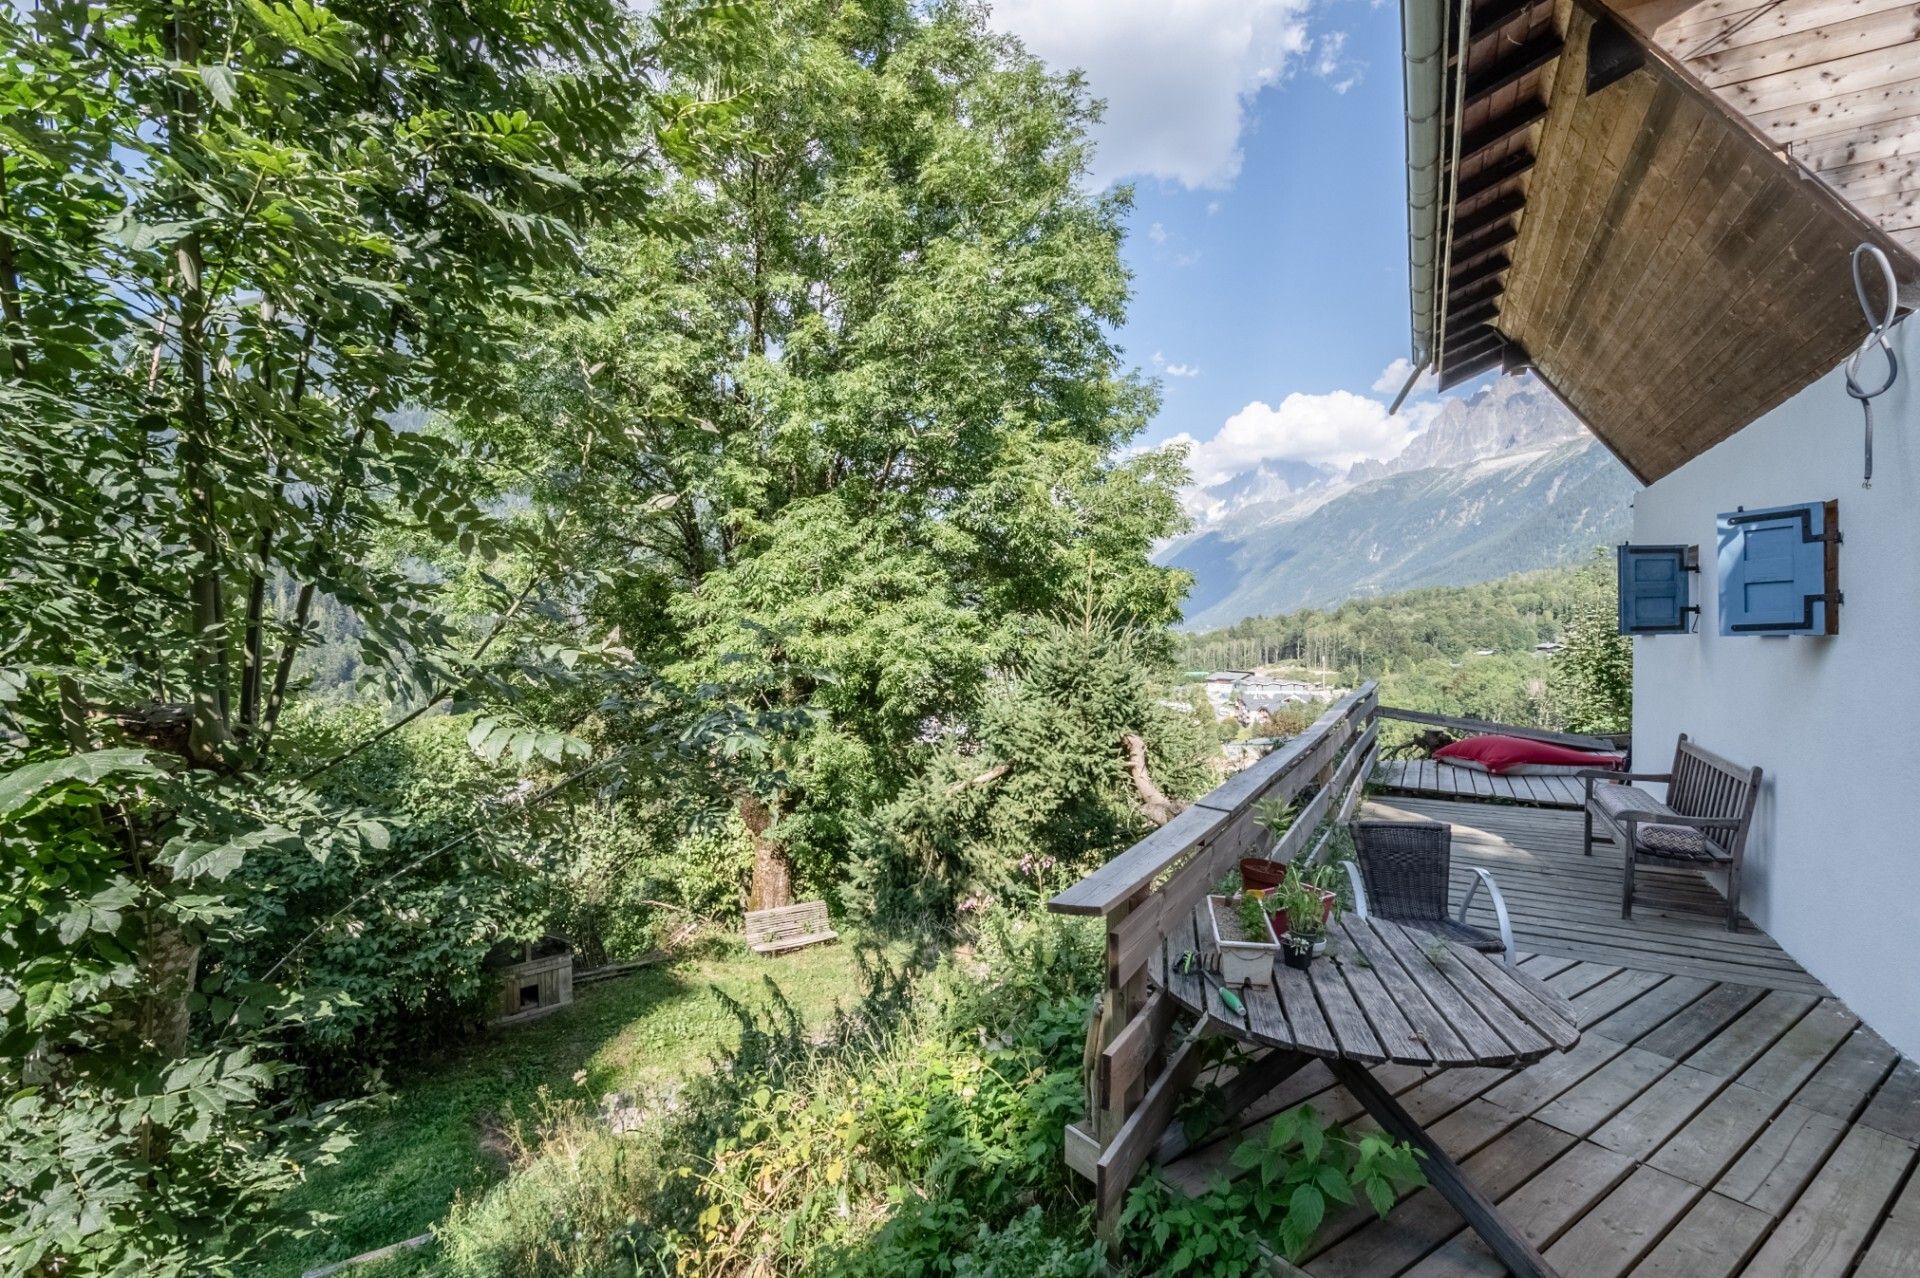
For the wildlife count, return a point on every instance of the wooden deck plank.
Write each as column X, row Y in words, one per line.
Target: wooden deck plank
column 1895, row 1108
column 1539, row 1209
column 1823, row 1234
column 1623, row 1226
column 1778, row 1165
column 1801, row 1051
column 1600, row 1095
column 1713, row 1240
column 1707, row 1145
column 1842, row 1086
column 1895, row 1251
column 1758, row 1029
column 1644, row 1123
column 1683, row 1034
column 1652, row 1010
column 1425, row 777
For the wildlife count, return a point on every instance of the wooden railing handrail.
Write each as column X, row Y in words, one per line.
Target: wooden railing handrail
column 1120, row 880
column 1572, row 740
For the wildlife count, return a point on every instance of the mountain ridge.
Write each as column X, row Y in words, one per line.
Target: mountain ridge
column 1499, row 482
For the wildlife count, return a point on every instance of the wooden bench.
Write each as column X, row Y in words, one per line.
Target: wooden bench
column 1703, row 822
column 788, row 928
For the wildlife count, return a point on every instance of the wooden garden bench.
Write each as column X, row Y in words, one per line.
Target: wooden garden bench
column 790, row 927
column 1703, row 822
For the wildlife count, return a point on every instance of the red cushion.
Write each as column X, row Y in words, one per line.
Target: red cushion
column 1500, row 754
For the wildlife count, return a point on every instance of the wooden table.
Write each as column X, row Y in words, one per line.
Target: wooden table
column 1385, row 992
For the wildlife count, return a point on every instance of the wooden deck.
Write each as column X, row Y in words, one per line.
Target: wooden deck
column 1444, row 781
column 1721, row 1115
column 1568, row 905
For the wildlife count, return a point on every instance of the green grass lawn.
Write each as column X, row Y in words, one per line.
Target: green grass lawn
column 426, row 1141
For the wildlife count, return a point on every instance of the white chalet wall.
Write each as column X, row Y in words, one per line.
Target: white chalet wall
column 1833, row 866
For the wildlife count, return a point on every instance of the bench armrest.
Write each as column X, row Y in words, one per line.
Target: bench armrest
column 1499, row 909
column 1603, row 774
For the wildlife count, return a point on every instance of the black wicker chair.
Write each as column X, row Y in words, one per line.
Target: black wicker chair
column 1402, row 874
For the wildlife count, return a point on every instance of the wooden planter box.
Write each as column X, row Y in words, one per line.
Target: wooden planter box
column 1243, row 960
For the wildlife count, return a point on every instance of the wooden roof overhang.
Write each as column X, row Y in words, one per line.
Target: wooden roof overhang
column 1602, row 218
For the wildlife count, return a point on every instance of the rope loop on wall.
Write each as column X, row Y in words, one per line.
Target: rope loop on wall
column 1878, row 326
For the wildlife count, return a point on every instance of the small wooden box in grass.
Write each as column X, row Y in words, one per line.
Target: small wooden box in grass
column 535, row 979
column 1245, row 959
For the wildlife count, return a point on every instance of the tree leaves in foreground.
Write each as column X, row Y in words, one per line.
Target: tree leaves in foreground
column 246, row 251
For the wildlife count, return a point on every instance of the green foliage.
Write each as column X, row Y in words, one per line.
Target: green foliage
column 850, row 438
column 1592, row 678
column 1363, row 638
column 92, row 1108
column 1458, row 650
column 246, row 253
column 1035, row 791
column 1291, row 1175
column 922, row 1137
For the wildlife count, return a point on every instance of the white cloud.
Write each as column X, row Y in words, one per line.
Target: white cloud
column 1157, row 233
column 1331, row 63
column 1174, row 368
column 1394, row 376
column 1335, row 429
column 1213, row 206
column 1177, row 75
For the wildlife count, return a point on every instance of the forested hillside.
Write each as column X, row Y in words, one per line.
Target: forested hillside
column 1462, row 650
column 1505, row 482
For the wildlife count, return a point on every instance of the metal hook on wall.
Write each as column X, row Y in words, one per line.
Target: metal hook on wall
column 1877, row 330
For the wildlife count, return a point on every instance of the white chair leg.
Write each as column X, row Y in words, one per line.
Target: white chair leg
column 1499, row 909
column 1359, row 889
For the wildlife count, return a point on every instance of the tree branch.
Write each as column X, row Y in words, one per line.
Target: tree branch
column 1154, row 802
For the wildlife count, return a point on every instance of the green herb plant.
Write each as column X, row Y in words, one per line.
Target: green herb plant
column 1291, row 1173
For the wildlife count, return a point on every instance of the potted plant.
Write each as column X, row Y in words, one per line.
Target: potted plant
column 1244, row 935
column 1309, row 909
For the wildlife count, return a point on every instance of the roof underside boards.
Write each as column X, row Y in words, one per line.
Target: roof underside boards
column 1644, row 249
column 1836, row 83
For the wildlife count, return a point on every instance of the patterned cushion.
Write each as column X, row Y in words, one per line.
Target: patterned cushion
column 1672, row 840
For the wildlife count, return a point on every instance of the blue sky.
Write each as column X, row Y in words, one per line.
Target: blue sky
column 1264, row 139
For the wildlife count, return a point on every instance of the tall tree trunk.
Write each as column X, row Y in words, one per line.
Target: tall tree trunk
column 772, row 868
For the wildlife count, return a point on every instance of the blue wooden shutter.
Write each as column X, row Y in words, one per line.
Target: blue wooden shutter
column 1654, row 594
column 1779, row 570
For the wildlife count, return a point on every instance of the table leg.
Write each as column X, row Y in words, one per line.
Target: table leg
column 1242, row 1090
column 1514, row 1251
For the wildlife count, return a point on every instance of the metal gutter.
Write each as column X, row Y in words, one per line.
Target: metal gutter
column 1423, row 44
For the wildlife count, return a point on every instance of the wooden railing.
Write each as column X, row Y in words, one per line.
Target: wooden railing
column 1135, row 1077
column 1475, row 727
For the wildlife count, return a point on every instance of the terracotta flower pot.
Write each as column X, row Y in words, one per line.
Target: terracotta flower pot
column 1258, row 872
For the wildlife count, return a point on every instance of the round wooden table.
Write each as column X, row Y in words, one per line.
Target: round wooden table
column 1383, row 991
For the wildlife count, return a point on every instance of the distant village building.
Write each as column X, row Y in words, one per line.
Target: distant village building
column 1246, row 696
column 1259, row 693
column 1220, row 686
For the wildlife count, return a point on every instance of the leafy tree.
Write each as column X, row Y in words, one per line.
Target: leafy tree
column 1039, row 789
column 851, row 428
column 1592, row 674
column 243, row 248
